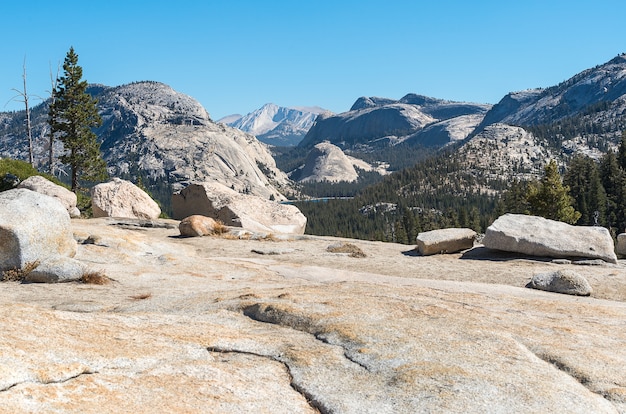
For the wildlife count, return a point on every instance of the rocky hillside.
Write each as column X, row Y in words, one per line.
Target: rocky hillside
column 377, row 122
column 166, row 137
column 276, row 125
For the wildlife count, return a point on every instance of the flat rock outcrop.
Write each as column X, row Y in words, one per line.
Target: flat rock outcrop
column 123, row 199
column 208, row 325
column 35, row 237
column 44, row 186
column 445, row 241
column 252, row 213
column 537, row 236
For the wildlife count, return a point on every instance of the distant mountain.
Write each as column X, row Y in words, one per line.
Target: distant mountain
column 327, row 162
column 276, row 125
column 374, row 122
column 166, row 137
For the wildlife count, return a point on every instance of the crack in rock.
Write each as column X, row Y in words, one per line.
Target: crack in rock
column 570, row 371
column 315, row 404
column 60, row 381
column 275, row 316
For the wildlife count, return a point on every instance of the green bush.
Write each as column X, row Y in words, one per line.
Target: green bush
column 11, row 169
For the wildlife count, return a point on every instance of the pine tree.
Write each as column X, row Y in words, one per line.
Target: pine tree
column 71, row 117
column 551, row 199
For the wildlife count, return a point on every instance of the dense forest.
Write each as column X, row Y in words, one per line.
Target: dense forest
column 438, row 193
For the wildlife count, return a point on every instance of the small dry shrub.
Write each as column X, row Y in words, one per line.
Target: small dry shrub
column 17, row 274
column 95, row 278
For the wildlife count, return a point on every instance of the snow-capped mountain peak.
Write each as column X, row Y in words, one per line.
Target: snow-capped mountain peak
column 277, row 125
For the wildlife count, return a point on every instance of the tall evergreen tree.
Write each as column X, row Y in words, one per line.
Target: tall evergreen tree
column 72, row 116
column 551, row 199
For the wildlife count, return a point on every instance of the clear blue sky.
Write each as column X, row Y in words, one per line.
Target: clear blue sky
column 234, row 55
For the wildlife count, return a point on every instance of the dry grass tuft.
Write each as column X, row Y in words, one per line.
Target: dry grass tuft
column 269, row 237
column 95, row 278
column 351, row 249
column 142, row 296
column 18, row 275
column 219, row 228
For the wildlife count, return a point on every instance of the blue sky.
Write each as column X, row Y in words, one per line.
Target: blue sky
column 234, row 55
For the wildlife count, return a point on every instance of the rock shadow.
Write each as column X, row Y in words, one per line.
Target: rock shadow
column 484, row 253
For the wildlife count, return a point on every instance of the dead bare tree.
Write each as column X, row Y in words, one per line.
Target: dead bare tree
column 53, row 83
column 24, row 95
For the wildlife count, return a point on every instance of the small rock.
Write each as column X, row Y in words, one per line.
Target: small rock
column 272, row 251
column 562, row 261
column 197, row 225
column 561, row 281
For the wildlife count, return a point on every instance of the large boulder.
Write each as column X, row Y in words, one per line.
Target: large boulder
column 253, row 213
column 36, row 238
column 123, row 199
column 537, row 236
column 44, row 186
column 445, row 241
column 561, row 281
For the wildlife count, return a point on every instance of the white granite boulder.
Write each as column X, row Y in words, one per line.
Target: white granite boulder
column 123, row 199
column 35, row 232
column 215, row 200
column 44, row 186
column 445, row 241
column 561, row 281
column 537, row 236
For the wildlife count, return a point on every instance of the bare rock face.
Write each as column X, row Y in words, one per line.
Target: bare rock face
column 561, row 281
column 233, row 209
column 121, row 198
column 537, row 236
column 35, row 233
column 44, row 186
column 196, row 225
column 445, row 241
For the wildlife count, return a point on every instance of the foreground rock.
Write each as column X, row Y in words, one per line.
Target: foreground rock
column 253, row 213
column 445, row 241
column 121, row 198
column 208, row 325
column 42, row 185
column 537, row 236
column 36, row 242
column 561, row 281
